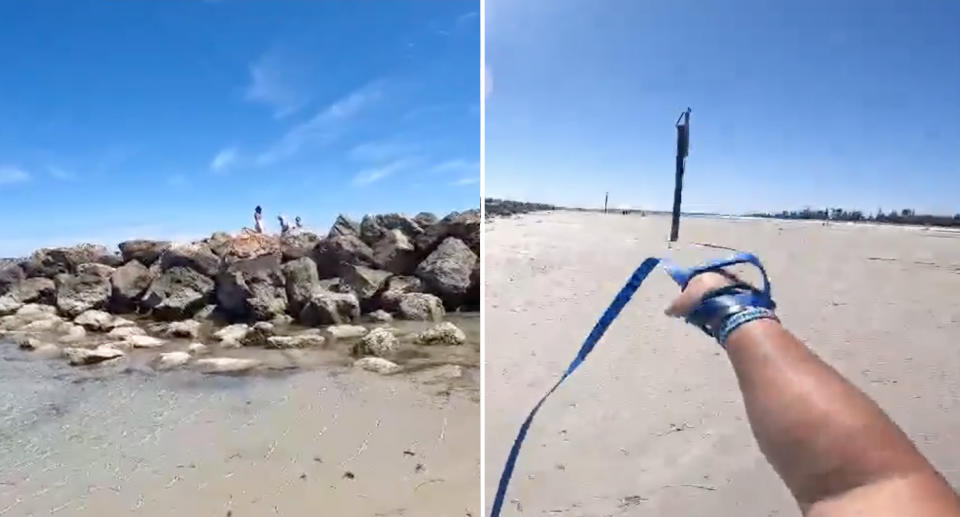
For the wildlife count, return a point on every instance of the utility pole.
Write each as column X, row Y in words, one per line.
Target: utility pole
column 605, row 198
column 683, row 147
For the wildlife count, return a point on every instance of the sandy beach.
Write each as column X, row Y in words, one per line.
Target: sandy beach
column 653, row 423
column 306, row 435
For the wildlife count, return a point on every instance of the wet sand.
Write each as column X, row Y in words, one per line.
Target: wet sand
column 653, row 423
column 306, row 436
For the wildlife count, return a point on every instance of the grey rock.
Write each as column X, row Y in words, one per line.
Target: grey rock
column 95, row 320
column 72, row 334
column 425, row 219
column 50, row 262
column 186, row 328
column 258, row 334
column 88, row 289
column 129, row 282
column 462, row 225
column 378, row 342
column 298, row 244
column 326, row 308
column 377, row 365
column 198, row 349
column 196, row 256
column 252, row 288
column 300, row 279
column 225, row 365
column 380, row 316
column 397, row 286
column 11, row 274
column 445, row 333
column 346, row 331
column 232, row 335
column 170, row 360
column 344, row 226
column 400, row 222
column 125, row 332
column 332, row 253
column 298, row 341
column 145, row 252
column 420, row 307
column 138, row 341
column 9, row 304
column 371, row 230
column 177, row 293
column 447, row 271
column 396, row 253
column 87, row 356
column 364, row 282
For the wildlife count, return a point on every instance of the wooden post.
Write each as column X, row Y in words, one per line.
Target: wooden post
column 605, row 198
column 683, row 148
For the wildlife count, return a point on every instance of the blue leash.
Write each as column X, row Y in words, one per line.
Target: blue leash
column 679, row 275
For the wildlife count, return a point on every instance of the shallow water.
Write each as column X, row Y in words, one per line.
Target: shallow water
column 306, row 435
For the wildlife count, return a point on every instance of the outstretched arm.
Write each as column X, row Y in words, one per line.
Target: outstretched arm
column 836, row 450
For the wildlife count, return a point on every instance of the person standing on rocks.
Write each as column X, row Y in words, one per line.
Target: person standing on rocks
column 284, row 226
column 297, row 222
column 835, row 449
column 258, row 219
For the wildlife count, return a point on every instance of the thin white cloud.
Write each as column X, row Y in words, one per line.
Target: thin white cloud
column 466, row 18
column 380, row 150
column 458, row 166
column 276, row 80
column 470, row 180
column 61, row 174
column 322, row 127
column 368, row 176
column 224, row 159
column 10, row 175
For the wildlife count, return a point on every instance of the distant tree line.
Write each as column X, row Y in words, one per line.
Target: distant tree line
column 505, row 207
column 904, row 216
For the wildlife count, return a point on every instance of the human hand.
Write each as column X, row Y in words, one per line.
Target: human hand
column 697, row 288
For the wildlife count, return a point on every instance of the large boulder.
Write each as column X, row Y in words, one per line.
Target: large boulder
column 218, row 242
column 196, row 256
column 371, row 230
column 397, row 286
column 247, row 245
column 395, row 252
column 329, row 308
column 177, row 293
column 400, row 222
column 129, row 282
column 301, row 279
column 95, row 320
column 379, row 342
column 88, row 289
column 420, row 307
column 252, row 288
column 49, row 262
column 447, row 271
column 462, row 225
column 425, row 219
column 143, row 251
column 298, row 244
column 29, row 290
column 334, row 252
column 365, row 282
column 11, row 274
column 344, row 226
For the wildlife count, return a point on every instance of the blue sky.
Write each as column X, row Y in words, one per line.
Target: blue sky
column 174, row 119
column 795, row 103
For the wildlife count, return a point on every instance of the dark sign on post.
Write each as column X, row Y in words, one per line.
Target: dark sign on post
column 683, row 148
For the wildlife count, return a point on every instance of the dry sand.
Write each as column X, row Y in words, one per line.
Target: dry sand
column 653, row 423
column 325, row 439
